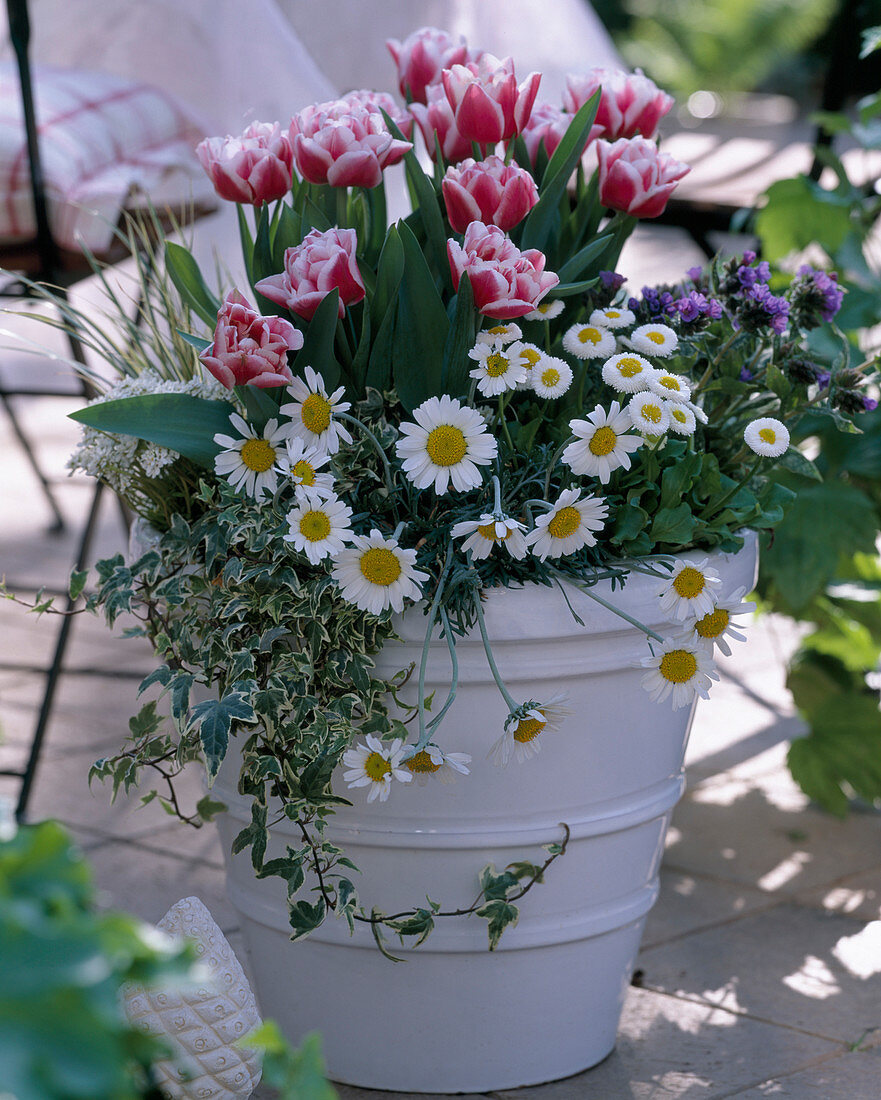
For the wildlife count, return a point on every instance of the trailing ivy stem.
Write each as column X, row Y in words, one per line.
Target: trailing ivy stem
column 377, row 446
column 497, row 676
column 611, row 607
column 423, row 664
column 454, row 682
column 554, row 460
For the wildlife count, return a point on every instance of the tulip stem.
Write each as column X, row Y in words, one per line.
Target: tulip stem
column 342, row 205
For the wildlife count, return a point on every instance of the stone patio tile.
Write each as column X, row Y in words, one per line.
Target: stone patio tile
column 688, row 903
column 795, row 966
column 851, row 1076
column 857, row 896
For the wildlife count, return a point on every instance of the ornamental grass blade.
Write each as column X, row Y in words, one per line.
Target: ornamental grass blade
column 185, row 274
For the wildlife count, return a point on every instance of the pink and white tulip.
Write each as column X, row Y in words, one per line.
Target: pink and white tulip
column 630, row 103
column 249, row 348
column 422, row 57
column 549, row 124
column 488, row 191
column 311, row 271
column 635, row 177
column 506, row 282
column 436, row 117
column 377, row 101
column 488, row 104
column 254, row 168
column 343, row 144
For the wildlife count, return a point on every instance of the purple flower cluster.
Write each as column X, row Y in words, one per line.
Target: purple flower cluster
column 688, row 311
column 748, row 297
column 814, row 297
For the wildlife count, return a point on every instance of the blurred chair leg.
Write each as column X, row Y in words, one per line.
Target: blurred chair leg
column 58, row 523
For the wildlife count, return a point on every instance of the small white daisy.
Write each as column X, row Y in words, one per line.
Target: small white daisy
column 627, row 373
column 688, row 593
column 498, row 368
column 319, row 528
column 551, row 377
column 654, row 339
column 433, row 763
column 545, row 311
column 492, row 529
column 714, row 627
column 672, row 386
column 312, row 412
column 375, row 765
column 767, row 437
column 682, row 669
column 501, row 334
column 527, row 356
column 445, row 445
column 568, row 526
column 602, row 445
column 682, row 419
column 304, row 461
column 589, row 342
column 524, row 728
column 253, row 462
column 649, row 414
column 612, row 317
column 699, row 413
column 375, row 573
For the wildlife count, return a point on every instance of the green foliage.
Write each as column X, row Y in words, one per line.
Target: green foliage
column 295, row 1074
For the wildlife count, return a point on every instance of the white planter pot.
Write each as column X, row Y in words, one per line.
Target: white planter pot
column 546, row 1004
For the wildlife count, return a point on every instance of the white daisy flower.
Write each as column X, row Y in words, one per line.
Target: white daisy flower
column 433, row 762
column 545, row 311
column 501, row 334
column 551, row 377
column 375, row 574
column 319, row 528
column 682, row 669
column 688, row 593
column 446, row 444
column 499, row 368
column 312, row 412
column 589, row 341
column 602, row 444
column 524, row 728
column 767, row 437
column 612, row 317
column 627, row 373
column 375, row 765
column 527, row 356
column 253, row 462
column 568, row 526
column 654, row 339
column 672, row 386
column 649, row 413
column 682, row 419
column 699, row 413
column 714, row 627
column 304, row 461
column 492, row 529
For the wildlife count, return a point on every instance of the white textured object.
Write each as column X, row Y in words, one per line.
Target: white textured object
column 202, row 1024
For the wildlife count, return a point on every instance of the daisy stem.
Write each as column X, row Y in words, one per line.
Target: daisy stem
column 399, row 529
column 377, row 446
column 500, row 684
column 545, row 505
column 554, row 460
column 714, row 362
column 432, row 615
column 548, row 337
column 501, row 418
column 611, row 607
column 472, row 391
column 723, row 500
column 451, row 697
column 497, row 490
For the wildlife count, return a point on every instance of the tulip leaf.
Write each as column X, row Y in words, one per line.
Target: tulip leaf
column 185, row 274
column 318, row 339
column 388, row 276
column 574, row 267
column 420, row 330
column 460, row 340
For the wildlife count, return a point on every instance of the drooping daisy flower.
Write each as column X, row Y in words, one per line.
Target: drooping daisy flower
column 589, row 342
column 312, row 413
column 501, row 333
column 375, row 573
column 689, row 591
column 433, row 763
column 699, row 413
column 446, row 444
column 714, row 627
column 654, row 339
column 319, row 528
column 568, row 526
column 304, row 461
column 492, row 529
column 627, row 373
column 672, row 386
column 524, row 728
column 545, row 311
column 253, row 462
column 767, row 437
column 682, row 669
column 603, row 445
column 375, row 765
column 649, row 413
column 682, row 419
column 612, row 317
column 498, row 368
column 551, row 377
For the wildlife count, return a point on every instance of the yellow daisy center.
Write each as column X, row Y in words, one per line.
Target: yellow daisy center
column 376, row 767
column 543, row 307
column 590, row 335
column 258, row 455
column 550, row 377
column 497, row 365
column 565, row 523
column 669, row 382
column 488, row 531
column 767, row 435
column 446, row 445
column 498, row 330
column 528, row 729
column 689, row 582
column 679, row 414
column 712, row 625
column 652, row 413
column 612, row 314
column 530, row 357
column 304, row 472
column 628, row 367
column 678, row 666
column 314, row 526
column 602, row 442
column 315, row 413
column 421, row 762
column 657, row 337
column 380, row 566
